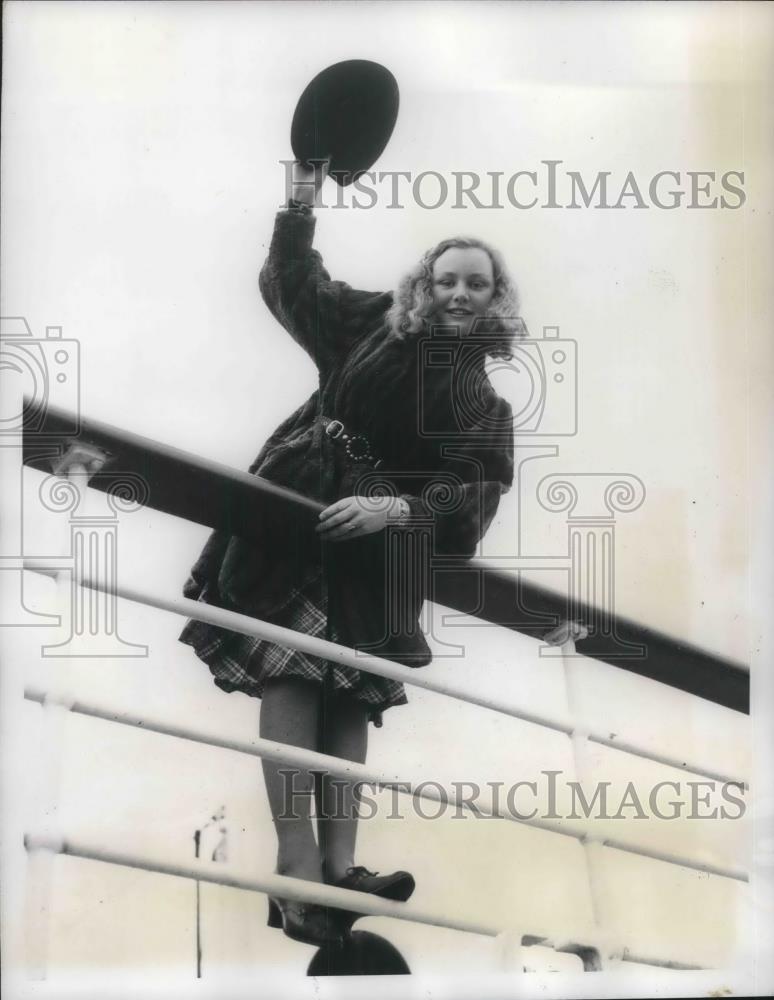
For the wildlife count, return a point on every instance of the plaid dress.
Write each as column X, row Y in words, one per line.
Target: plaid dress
column 244, row 663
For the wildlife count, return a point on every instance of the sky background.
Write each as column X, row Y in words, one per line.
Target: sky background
column 141, row 173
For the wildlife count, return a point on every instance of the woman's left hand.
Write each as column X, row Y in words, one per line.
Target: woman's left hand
column 353, row 517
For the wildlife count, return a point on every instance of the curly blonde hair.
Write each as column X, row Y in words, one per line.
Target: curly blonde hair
column 412, row 307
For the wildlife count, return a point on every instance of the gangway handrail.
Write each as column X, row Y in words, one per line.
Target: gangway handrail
column 303, row 891
column 351, row 771
column 215, row 495
column 314, row 646
column 300, row 513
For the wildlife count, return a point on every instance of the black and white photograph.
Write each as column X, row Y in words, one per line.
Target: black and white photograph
column 386, row 499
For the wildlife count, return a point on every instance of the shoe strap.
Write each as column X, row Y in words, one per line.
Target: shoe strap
column 360, row 870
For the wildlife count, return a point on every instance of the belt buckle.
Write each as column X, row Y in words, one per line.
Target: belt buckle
column 334, row 429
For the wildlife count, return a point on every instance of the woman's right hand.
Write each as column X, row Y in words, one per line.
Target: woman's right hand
column 307, row 182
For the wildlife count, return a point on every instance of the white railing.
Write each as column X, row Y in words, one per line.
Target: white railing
column 597, row 940
column 283, row 753
column 381, row 667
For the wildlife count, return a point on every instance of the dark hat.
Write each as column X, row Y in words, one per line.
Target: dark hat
column 361, row 954
column 347, row 112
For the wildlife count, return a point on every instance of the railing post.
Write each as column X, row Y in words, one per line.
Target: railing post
column 43, row 848
column 601, row 948
column 509, row 951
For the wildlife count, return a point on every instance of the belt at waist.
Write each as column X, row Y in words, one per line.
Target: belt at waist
column 356, row 446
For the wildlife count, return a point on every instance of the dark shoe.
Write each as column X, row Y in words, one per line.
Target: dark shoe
column 397, row 886
column 305, row 922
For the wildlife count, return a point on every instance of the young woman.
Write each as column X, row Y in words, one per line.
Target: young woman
column 409, row 448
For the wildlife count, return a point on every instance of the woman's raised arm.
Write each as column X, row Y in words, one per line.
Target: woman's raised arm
column 307, row 182
column 325, row 317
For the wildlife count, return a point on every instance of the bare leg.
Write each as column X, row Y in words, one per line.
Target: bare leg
column 290, row 713
column 345, row 735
